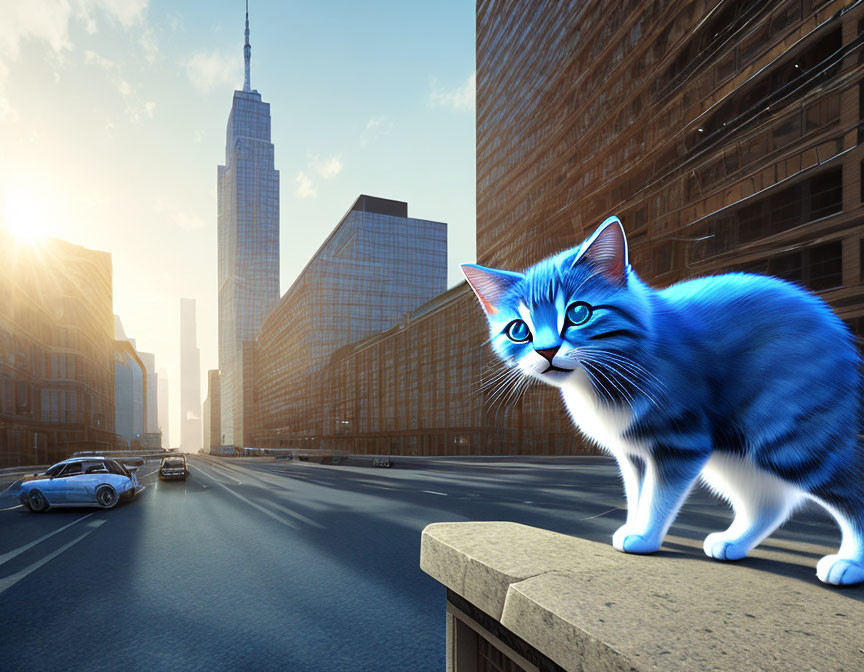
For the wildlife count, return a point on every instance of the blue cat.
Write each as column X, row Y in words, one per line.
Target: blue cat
column 745, row 381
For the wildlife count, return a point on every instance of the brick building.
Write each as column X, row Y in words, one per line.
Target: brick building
column 56, row 352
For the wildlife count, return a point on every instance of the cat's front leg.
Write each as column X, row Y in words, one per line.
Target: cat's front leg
column 632, row 483
column 669, row 474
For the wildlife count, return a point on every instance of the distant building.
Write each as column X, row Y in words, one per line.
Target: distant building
column 190, row 379
column 205, row 415
column 163, row 408
column 377, row 265
column 212, row 424
column 130, row 388
column 151, row 423
column 415, row 389
column 56, row 347
column 248, row 243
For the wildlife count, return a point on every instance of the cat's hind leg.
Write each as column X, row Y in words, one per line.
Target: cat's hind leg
column 846, row 567
column 761, row 502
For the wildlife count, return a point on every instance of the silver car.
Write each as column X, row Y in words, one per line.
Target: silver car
column 81, row 481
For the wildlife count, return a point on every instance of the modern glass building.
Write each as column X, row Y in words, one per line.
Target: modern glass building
column 248, row 242
column 376, row 266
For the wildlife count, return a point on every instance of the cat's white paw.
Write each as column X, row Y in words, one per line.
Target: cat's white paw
column 627, row 540
column 840, row 571
column 718, row 546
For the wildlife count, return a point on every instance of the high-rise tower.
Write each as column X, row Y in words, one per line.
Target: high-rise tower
column 248, row 230
column 190, row 379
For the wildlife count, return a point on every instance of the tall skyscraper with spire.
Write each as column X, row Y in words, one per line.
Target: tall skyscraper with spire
column 248, row 230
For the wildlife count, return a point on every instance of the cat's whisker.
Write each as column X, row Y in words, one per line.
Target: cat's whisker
column 615, row 384
column 635, row 373
column 491, row 384
column 490, row 378
column 497, row 395
column 596, row 382
column 631, row 379
column 627, row 360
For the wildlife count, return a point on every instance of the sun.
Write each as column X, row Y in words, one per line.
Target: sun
column 24, row 216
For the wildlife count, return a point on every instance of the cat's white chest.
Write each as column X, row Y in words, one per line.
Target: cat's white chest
column 603, row 424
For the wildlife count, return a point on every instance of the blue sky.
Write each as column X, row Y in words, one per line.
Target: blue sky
column 112, row 123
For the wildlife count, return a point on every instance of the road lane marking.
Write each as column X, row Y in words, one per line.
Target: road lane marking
column 267, row 512
column 224, row 473
column 298, row 516
column 12, row 508
column 6, row 557
column 617, row 508
column 7, row 582
column 433, row 492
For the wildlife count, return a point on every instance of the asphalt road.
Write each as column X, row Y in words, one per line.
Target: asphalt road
column 266, row 564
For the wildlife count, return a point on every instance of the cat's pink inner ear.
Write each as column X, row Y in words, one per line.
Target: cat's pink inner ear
column 607, row 250
column 490, row 285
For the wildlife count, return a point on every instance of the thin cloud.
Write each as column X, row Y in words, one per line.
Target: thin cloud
column 329, row 167
column 125, row 12
column 47, row 23
column 375, row 128
column 305, row 188
column 188, row 222
column 42, row 21
column 459, row 99
column 92, row 58
column 207, row 70
column 147, row 42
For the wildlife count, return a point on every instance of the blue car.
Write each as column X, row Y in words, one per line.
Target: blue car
column 81, row 481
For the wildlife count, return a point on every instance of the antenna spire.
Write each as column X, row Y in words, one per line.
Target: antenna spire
column 247, row 55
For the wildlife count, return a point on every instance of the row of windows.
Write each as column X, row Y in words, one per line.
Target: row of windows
column 819, row 267
column 779, row 211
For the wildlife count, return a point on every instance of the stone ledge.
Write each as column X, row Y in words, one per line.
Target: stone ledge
column 588, row 607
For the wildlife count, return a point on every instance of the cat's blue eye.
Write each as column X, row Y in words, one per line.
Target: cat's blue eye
column 518, row 331
column 578, row 313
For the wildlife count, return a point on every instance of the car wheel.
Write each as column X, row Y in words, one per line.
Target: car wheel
column 36, row 501
column 106, row 496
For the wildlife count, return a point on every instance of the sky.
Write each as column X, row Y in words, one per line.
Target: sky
column 113, row 117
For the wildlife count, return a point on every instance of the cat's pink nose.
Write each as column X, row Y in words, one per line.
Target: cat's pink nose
column 548, row 353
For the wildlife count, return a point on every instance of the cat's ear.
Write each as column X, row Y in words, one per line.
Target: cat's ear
column 606, row 250
column 490, row 285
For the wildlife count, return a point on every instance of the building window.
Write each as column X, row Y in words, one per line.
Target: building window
column 820, row 267
column 809, row 200
column 662, row 259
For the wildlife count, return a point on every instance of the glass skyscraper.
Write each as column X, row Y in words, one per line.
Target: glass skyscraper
column 248, row 230
column 376, row 266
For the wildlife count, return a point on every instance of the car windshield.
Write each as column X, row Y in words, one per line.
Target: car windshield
column 53, row 471
column 176, row 462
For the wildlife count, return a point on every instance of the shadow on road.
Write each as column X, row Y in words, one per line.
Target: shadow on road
column 589, row 506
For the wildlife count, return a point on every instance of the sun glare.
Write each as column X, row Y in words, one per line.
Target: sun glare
column 23, row 216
